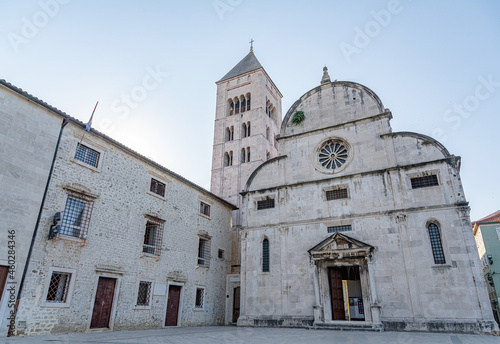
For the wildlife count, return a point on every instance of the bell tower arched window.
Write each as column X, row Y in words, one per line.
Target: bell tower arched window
column 248, row 101
column 237, row 106
column 230, row 107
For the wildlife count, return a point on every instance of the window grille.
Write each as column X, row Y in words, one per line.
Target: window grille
column 437, row 247
column 336, row 194
column 157, row 187
column 205, row 209
column 144, row 293
column 87, row 155
column 58, row 287
column 200, row 293
column 265, row 255
column 221, row 254
column 76, row 216
column 265, row 204
column 423, row 182
column 339, row 229
column 152, row 237
column 204, row 252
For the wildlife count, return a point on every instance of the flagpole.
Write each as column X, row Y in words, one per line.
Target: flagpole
column 89, row 124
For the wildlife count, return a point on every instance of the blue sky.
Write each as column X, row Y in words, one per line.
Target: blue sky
column 153, row 66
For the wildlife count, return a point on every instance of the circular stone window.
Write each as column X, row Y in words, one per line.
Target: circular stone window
column 332, row 155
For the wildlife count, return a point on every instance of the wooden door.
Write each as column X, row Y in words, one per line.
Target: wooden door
column 236, row 304
column 337, row 295
column 174, row 296
column 4, row 271
column 103, row 302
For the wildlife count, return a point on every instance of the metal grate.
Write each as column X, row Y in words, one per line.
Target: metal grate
column 221, row 254
column 265, row 255
column 339, row 229
column 87, row 155
column 58, row 287
column 144, row 293
column 76, row 216
column 265, row 204
column 423, row 182
column 152, row 237
column 204, row 209
column 200, row 293
column 157, row 187
column 336, row 194
column 204, row 252
column 437, row 247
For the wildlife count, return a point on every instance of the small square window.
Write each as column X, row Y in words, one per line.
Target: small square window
column 153, row 237
column 205, row 209
column 157, row 187
column 221, row 254
column 423, row 182
column 200, row 293
column 87, row 155
column 339, row 229
column 336, row 194
column 58, row 287
column 265, row 204
column 144, row 293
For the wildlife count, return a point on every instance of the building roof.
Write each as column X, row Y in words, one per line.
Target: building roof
column 492, row 218
column 248, row 64
column 40, row 102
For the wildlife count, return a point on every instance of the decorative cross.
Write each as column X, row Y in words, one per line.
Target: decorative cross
column 251, row 44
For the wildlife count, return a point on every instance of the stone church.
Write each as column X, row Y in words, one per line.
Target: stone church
column 342, row 222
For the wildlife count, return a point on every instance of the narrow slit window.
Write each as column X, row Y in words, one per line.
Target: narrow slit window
column 436, row 245
column 265, row 255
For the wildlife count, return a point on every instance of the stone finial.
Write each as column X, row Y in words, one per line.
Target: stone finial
column 326, row 78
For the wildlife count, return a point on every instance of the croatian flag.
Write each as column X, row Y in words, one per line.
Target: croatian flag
column 89, row 123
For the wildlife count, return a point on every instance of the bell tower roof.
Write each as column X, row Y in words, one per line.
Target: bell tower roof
column 248, row 64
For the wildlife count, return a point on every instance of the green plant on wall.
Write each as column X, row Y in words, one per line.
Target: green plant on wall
column 298, row 117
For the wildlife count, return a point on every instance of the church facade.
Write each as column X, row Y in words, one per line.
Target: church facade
column 348, row 224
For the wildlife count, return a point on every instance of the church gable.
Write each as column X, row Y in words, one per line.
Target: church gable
column 338, row 246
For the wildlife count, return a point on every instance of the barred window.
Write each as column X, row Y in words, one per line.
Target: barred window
column 76, row 216
column 423, row 182
column 200, row 293
column 157, row 187
column 87, row 155
column 144, row 293
column 204, row 252
column 436, row 245
column 153, row 237
column 221, row 254
column 336, row 194
column 58, row 287
column 339, row 229
column 265, row 255
column 205, row 209
column 265, row 204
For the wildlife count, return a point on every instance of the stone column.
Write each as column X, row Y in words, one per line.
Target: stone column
column 317, row 308
column 375, row 306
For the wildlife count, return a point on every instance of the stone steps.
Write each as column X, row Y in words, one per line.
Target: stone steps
column 348, row 326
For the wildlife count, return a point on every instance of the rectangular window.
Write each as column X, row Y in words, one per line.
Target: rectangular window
column 265, row 204
column 336, row 194
column 436, row 245
column 200, row 293
column 157, row 187
column 76, row 216
column 204, row 252
column 58, row 287
column 221, row 254
column 334, row 229
column 87, row 155
column 205, row 209
column 144, row 293
column 153, row 237
column 423, row 182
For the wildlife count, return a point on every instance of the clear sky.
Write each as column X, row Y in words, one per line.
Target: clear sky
column 153, row 67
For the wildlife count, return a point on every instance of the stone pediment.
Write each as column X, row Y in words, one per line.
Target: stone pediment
column 338, row 246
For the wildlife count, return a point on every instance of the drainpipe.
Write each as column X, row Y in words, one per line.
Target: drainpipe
column 23, row 277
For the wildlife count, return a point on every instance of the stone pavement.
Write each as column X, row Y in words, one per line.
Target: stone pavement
column 232, row 334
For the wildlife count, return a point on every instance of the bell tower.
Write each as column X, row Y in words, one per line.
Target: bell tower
column 247, row 121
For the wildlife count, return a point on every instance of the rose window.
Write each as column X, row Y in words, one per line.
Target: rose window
column 333, row 155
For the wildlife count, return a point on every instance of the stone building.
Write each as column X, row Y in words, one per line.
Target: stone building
column 137, row 246
column 350, row 221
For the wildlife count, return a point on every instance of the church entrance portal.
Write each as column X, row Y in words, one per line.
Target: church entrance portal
column 346, row 295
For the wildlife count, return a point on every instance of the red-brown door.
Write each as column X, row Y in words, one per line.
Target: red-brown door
column 236, row 304
column 336, row 294
column 103, row 302
column 4, row 271
column 174, row 296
